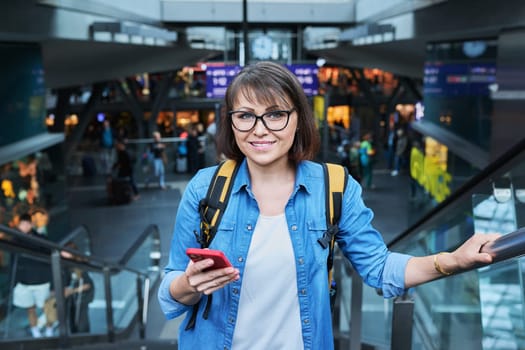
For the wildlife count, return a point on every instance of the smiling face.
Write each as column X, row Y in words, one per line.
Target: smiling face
column 261, row 88
column 260, row 145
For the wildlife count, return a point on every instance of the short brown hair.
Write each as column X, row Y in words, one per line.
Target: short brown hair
column 270, row 83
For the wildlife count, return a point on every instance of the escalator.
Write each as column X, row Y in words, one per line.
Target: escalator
column 478, row 309
column 117, row 313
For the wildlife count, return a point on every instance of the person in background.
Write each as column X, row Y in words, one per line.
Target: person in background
column 107, row 140
column 354, row 168
column 79, row 291
column 124, row 167
column 276, row 294
column 390, row 144
column 367, row 153
column 157, row 149
column 211, row 156
column 401, row 151
column 32, row 282
column 195, row 150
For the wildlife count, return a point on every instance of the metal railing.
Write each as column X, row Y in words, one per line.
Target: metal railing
column 116, row 308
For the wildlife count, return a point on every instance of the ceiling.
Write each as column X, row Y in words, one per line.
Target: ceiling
column 404, row 57
column 73, row 62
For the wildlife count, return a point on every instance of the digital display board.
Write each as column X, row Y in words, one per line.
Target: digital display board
column 458, row 76
column 456, row 79
column 219, row 78
column 307, row 75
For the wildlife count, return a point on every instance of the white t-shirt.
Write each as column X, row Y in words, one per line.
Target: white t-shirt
column 269, row 316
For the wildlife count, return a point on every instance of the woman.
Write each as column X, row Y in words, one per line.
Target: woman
column 276, row 296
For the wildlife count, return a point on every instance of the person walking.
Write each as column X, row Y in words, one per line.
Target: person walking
column 275, row 296
column 366, row 159
column 157, row 149
column 354, row 168
column 195, row 150
column 107, row 142
column 124, row 167
column 401, row 151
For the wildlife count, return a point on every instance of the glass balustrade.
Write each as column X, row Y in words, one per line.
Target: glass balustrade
column 478, row 309
column 88, row 283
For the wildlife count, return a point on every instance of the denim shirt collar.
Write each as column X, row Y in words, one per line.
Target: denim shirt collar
column 302, row 179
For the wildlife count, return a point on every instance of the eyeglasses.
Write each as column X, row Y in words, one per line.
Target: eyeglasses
column 273, row 121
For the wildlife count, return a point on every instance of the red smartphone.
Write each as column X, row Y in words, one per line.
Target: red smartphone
column 219, row 259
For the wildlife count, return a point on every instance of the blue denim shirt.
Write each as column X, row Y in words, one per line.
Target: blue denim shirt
column 305, row 215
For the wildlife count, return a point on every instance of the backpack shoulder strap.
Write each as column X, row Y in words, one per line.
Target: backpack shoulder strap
column 335, row 179
column 335, row 182
column 212, row 207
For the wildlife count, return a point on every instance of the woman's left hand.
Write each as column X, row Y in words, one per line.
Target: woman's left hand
column 427, row 268
column 469, row 253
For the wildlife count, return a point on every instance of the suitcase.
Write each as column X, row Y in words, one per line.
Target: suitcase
column 89, row 168
column 119, row 191
column 181, row 166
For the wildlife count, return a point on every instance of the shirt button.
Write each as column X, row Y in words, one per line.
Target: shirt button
column 301, row 261
column 231, row 320
column 240, row 259
column 235, row 291
column 294, row 227
column 249, row 227
column 306, row 321
column 303, row 291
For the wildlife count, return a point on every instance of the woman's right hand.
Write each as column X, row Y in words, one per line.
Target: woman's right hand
column 205, row 281
column 197, row 280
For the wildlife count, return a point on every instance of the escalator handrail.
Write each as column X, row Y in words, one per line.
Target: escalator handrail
column 507, row 246
column 79, row 230
column 38, row 245
column 477, row 179
column 151, row 229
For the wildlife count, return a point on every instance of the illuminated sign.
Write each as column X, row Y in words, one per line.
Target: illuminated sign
column 455, row 79
column 430, row 174
column 307, row 76
column 219, row 78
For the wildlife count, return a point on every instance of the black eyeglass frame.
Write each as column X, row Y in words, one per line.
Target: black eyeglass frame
column 260, row 117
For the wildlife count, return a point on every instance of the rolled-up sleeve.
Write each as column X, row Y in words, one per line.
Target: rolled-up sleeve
column 168, row 305
column 394, row 274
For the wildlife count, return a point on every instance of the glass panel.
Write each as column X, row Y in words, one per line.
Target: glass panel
column 480, row 309
column 342, row 308
column 124, row 293
column 377, row 317
column 501, row 295
column 500, row 285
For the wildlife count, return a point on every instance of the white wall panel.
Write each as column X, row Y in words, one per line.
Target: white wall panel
column 329, row 11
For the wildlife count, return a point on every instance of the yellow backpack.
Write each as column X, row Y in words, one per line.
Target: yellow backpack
column 213, row 206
